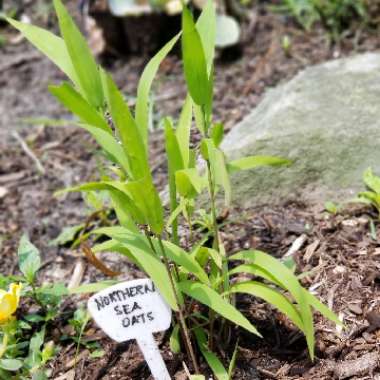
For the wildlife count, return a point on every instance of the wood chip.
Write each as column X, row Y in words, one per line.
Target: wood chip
column 78, row 273
column 355, row 308
column 296, row 246
column 12, row 177
column 366, row 364
column 310, row 250
column 70, row 375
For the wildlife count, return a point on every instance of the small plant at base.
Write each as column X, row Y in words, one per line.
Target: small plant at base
column 24, row 352
column 372, row 195
column 199, row 283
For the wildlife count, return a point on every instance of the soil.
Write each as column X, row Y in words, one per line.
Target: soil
column 340, row 253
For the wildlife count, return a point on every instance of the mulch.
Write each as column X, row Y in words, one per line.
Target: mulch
column 339, row 253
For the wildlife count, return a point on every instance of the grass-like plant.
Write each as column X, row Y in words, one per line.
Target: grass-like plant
column 200, row 281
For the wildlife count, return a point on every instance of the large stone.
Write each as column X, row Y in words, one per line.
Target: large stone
column 327, row 120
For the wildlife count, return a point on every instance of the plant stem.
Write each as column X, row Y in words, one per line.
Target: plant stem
column 182, row 320
column 4, row 344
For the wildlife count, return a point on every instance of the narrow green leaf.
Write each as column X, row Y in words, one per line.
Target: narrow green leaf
column 218, row 168
column 175, row 162
column 183, row 130
column 174, row 341
column 93, row 287
column 29, row 259
column 213, row 300
column 49, row 44
column 108, row 143
column 84, row 64
column 189, row 183
column 114, row 246
column 182, row 258
column 146, row 199
column 143, row 90
column 147, row 260
column 129, row 133
column 212, row 360
column 288, row 282
column 324, row 310
column 75, row 103
column 252, row 162
column 271, row 296
column 217, row 134
column 118, row 189
column 232, row 365
column 206, row 26
column 194, row 61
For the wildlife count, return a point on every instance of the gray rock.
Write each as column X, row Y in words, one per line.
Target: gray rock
column 327, row 120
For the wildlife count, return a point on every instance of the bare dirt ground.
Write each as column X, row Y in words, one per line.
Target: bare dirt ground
column 342, row 259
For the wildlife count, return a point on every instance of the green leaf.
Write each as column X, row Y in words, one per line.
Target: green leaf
column 252, row 162
column 93, row 287
column 372, row 181
column 183, row 130
column 271, row 296
column 117, row 189
column 197, row 377
column 213, row 300
column 206, row 26
column 174, row 342
column 218, row 168
column 175, row 162
column 232, row 365
column 145, row 197
column 130, row 135
column 182, row 258
column 67, row 235
column 212, row 360
column 11, row 364
column 29, row 259
column 332, row 207
column 287, row 281
column 217, row 134
column 34, row 358
column 84, row 64
column 146, row 259
column 320, row 307
column 50, row 45
column 189, row 183
column 110, row 146
column 143, row 90
column 194, row 61
column 114, row 246
column 75, row 103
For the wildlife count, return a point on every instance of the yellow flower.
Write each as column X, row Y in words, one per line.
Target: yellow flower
column 9, row 302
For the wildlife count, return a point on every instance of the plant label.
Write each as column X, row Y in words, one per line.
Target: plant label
column 134, row 310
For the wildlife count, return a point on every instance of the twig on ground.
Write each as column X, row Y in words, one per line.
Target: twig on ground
column 29, row 153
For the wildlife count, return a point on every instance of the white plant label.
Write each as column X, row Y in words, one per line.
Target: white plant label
column 134, row 310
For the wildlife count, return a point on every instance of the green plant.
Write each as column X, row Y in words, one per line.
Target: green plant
column 335, row 15
column 24, row 352
column 200, row 281
column 372, row 195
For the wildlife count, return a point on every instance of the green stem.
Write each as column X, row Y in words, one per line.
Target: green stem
column 4, row 344
column 182, row 320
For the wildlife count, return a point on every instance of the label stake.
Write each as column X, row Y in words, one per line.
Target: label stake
column 134, row 310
